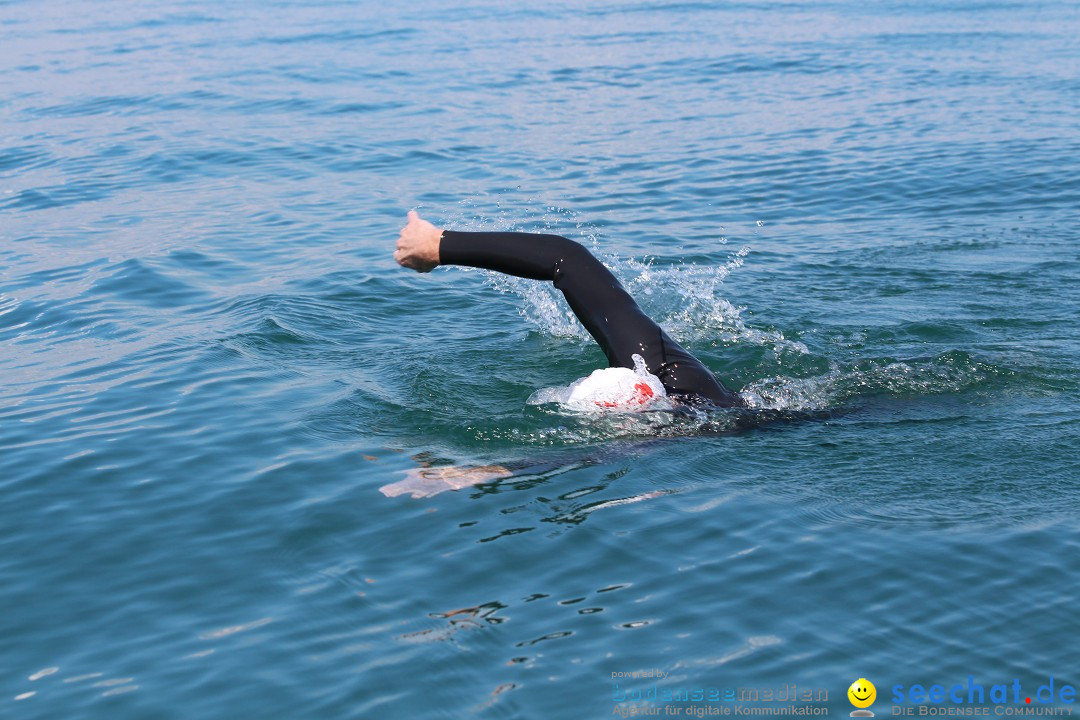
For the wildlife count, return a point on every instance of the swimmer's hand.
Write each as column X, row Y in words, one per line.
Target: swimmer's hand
column 425, row 482
column 418, row 244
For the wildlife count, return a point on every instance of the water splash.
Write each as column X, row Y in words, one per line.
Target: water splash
column 686, row 299
column 688, row 302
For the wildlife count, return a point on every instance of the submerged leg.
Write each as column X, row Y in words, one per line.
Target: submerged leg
column 428, row 481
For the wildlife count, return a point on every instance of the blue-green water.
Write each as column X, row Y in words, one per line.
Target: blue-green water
column 862, row 214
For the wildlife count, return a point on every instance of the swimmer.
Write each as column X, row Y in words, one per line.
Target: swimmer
column 606, row 310
column 598, row 300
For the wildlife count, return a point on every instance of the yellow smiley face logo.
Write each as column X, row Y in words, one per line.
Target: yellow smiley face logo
column 862, row 693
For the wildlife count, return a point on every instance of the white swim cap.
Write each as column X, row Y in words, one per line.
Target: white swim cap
column 617, row 387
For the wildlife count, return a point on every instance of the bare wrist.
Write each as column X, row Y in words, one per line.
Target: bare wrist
column 438, row 246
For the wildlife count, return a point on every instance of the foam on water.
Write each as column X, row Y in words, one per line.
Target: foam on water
column 950, row 372
column 581, row 421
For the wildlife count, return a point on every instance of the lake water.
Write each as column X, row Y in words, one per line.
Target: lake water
column 862, row 215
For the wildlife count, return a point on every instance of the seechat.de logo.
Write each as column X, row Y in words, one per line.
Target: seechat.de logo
column 862, row 694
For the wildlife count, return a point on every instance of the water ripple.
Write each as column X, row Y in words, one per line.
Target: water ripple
column 863, row 219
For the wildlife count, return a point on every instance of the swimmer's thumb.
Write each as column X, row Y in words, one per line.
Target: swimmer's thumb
column 413, row 216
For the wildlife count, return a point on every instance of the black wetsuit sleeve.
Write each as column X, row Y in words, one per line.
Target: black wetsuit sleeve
column 601, row 304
